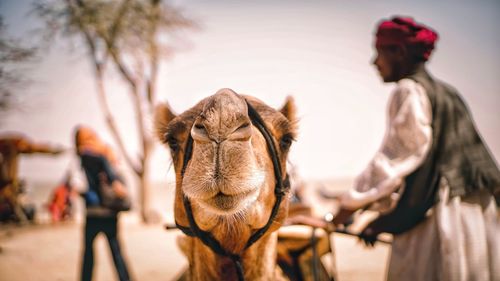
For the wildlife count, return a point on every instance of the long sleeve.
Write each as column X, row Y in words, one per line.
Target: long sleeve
column 407, row 141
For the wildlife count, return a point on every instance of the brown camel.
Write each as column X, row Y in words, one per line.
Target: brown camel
column 226, row 183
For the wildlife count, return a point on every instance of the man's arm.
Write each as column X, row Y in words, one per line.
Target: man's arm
column 406, row 144
column 27, row 146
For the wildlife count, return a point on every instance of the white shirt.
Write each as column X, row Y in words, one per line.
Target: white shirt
column 407, row 141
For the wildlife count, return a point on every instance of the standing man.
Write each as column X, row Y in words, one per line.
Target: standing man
column 11, row 147
column 433, row 181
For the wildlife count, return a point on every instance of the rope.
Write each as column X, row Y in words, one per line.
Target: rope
column 314, row 262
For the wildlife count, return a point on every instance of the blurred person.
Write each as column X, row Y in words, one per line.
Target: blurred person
column 61, row 205
column 99, row 164
column 433, row 180
column 12, row 145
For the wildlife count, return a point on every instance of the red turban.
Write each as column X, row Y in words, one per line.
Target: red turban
column 405, row 31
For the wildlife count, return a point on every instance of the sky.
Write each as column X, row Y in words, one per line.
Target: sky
column 319, row 52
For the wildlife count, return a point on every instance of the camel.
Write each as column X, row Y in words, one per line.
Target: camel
column 227, row 184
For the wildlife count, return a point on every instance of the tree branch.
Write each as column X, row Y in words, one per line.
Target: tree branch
column 153, row 55
column 98, row 68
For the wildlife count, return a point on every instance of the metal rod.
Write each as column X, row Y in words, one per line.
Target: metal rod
column 346, row 232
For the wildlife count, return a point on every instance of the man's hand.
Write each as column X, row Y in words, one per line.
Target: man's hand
column 343, row 217
column 369, row 236
column 119, row 189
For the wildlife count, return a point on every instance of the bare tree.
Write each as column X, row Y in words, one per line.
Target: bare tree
column 132, row 36
column 12, row 55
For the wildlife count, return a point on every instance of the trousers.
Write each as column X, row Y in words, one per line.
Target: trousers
column 108, row 226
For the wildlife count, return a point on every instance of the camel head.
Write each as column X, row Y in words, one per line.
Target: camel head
column 229, row 178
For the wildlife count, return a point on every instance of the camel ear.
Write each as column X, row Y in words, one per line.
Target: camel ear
column 163, row 116
column 289, row 109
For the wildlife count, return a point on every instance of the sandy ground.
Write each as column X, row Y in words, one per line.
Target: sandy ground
column 54, row 253
column 47, row 252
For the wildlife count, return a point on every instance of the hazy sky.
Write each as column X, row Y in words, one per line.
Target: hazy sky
column 318, row 51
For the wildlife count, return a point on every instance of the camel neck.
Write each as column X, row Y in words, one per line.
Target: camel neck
column 258, row 261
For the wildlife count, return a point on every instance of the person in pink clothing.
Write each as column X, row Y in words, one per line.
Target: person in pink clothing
column 60, row 206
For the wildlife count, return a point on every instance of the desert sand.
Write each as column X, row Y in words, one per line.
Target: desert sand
column 52, row 252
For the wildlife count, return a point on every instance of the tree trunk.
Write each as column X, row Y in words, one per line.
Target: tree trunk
column 100, row 53
column 144, row 197
column 148, row 214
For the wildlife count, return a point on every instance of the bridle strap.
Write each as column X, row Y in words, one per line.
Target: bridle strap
column 187, row 154
column 280, row 189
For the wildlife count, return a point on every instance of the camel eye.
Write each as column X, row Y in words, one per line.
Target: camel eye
column 172, row 143
column 286, row 141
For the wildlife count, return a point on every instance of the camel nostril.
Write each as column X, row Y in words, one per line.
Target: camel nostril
column 243, row 126
column 199, row 133
column 242, row 133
